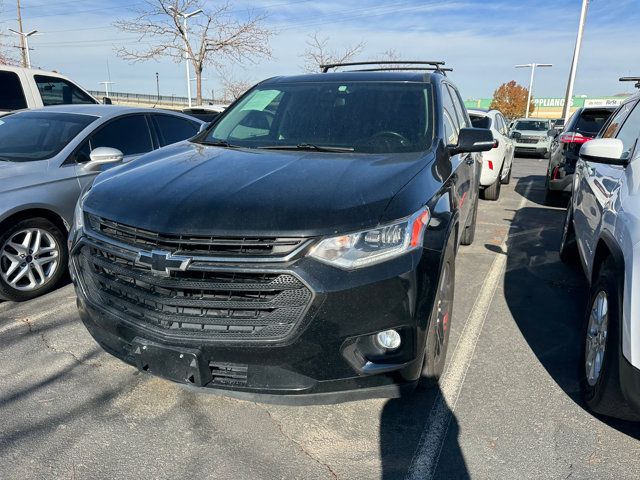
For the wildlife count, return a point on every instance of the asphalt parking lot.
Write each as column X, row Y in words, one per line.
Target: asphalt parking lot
column 508, row 405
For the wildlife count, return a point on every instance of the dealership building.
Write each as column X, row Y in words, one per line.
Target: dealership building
column 552, row 107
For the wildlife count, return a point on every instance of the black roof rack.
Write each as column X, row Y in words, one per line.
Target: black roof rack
column 631, row 79
column 434, row 66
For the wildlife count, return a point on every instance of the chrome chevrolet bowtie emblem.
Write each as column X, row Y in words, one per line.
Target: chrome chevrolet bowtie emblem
column 163, row 263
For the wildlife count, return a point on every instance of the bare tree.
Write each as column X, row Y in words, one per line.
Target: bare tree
column 319, row 52
column 233, row 86
column 213, row 37
column 5, row 57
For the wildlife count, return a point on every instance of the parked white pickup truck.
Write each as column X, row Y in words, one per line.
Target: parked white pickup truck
column 29, row 88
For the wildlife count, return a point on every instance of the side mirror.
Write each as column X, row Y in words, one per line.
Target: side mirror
column 473, row 140
column 102, row 156
column 516, row 135
column 552, row 132
column 604, row 150
column 204, row 126
column 107, row 101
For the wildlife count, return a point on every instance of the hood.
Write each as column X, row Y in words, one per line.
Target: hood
column 17, row 175
column 194, row 189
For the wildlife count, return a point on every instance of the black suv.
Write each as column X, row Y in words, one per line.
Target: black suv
column 302, row 245
column 583, row 125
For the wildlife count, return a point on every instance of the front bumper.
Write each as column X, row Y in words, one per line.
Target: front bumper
column 326, row 358
column 532, row 148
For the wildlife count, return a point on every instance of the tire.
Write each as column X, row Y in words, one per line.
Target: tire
column 568, row 244
column 469, row 231
column 601, row 387
column 25, row 272
column 506, row 180
column 437, row 341
column 492, row 192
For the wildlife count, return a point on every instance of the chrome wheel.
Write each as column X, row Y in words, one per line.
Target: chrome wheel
column 29, row 259
column 596, row 340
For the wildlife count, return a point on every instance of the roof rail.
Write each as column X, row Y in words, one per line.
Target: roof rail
column 436, row 66
column 631, row 79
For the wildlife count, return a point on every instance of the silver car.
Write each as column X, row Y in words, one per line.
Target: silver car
column 602, row 229
column 533, row 136
column 47, row 157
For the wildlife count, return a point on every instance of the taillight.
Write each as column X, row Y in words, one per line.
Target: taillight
column 573, row 137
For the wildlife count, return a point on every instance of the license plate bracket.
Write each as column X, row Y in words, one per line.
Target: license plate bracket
column 183, row 365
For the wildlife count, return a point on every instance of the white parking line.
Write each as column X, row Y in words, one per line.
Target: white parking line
column 425, row 460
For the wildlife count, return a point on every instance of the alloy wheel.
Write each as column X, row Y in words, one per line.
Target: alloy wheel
column 596, row 340
column 29, row 259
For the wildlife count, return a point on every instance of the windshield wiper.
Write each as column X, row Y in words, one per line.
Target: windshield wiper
column 219, row 143
column 308, row 147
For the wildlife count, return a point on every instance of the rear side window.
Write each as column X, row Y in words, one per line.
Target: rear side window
column 129, row 134
column 479, row 121
column 174, row 129
column 591, row 121
column 57, row 91
column 11, row 93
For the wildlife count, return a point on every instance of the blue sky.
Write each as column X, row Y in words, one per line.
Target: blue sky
column 482, row 40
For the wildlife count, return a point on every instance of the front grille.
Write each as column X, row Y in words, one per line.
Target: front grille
column 193, row 244
column 209, row 304
column 529, row 140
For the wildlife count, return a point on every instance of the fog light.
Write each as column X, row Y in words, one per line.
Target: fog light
column 389, row 339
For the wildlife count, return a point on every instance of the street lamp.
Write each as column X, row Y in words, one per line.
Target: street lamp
column 25, row 36
column 574, row 63
column 533, row 67
column 158, row 85
column 185, row 17
column 106, row 84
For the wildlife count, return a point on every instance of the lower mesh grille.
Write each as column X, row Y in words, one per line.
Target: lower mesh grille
column 235, row 305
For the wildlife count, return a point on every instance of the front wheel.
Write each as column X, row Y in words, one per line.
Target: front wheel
column 33, row 259
column 437, row 341
column 600, row 376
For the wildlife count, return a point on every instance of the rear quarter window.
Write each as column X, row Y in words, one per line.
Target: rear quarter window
column 58, row 91
column 11, row 93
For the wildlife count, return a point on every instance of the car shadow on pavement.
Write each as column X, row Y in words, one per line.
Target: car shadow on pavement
column 546, row 297
column 403, row 425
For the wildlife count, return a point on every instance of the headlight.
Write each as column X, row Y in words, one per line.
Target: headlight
column 78, row 214
column 368, row 247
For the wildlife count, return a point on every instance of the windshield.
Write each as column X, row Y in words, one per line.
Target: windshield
column 591, row 121
column 31, row 136
column 363, row 117
column 536, row 125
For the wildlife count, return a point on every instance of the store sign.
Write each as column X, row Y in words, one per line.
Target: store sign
column 548, row 102
column 603, row 102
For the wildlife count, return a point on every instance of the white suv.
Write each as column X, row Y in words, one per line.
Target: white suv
column 602, row 228
column 496, row 163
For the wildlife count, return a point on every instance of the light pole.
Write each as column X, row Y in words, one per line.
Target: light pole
column 25, row 38
column 158, row 85
column 574, row 64
column 185, row 17
column 106, row 84
column 533, row 67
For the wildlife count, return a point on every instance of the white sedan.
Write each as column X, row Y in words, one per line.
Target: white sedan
column 496, row 163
